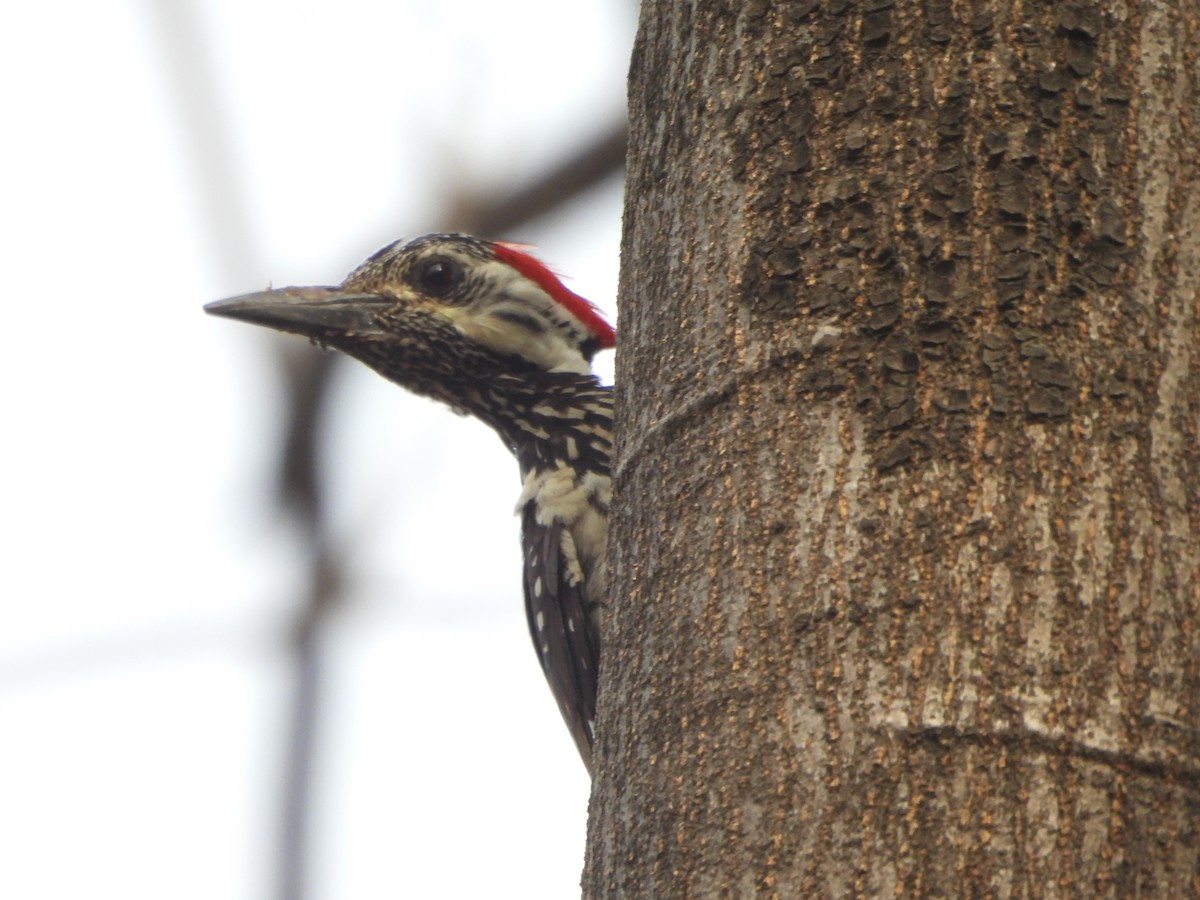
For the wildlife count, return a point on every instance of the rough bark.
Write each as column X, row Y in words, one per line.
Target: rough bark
column 906, row 542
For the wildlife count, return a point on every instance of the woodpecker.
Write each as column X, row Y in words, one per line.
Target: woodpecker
column 491, row 331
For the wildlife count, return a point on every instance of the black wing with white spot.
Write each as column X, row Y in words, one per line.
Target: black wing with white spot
column 566, row 644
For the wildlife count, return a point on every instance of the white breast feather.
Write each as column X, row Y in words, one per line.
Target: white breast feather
column 563, row 498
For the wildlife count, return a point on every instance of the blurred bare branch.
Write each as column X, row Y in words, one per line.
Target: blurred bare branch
column 222, row 201
column 497, row 215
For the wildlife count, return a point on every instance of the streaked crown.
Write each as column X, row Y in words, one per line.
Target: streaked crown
column 494, row 293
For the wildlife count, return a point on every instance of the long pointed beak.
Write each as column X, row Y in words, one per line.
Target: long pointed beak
column 316, row 312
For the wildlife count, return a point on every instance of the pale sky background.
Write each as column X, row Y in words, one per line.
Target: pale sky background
column 148, row 579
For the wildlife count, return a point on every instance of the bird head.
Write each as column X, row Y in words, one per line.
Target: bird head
column 444, row 307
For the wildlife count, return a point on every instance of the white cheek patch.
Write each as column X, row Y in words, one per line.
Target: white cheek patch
column 495, row 320
column 492, row 328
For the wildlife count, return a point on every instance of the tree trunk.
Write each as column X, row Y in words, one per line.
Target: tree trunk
column 906, row 545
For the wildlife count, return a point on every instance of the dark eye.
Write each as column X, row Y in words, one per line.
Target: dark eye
column 439, row 276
